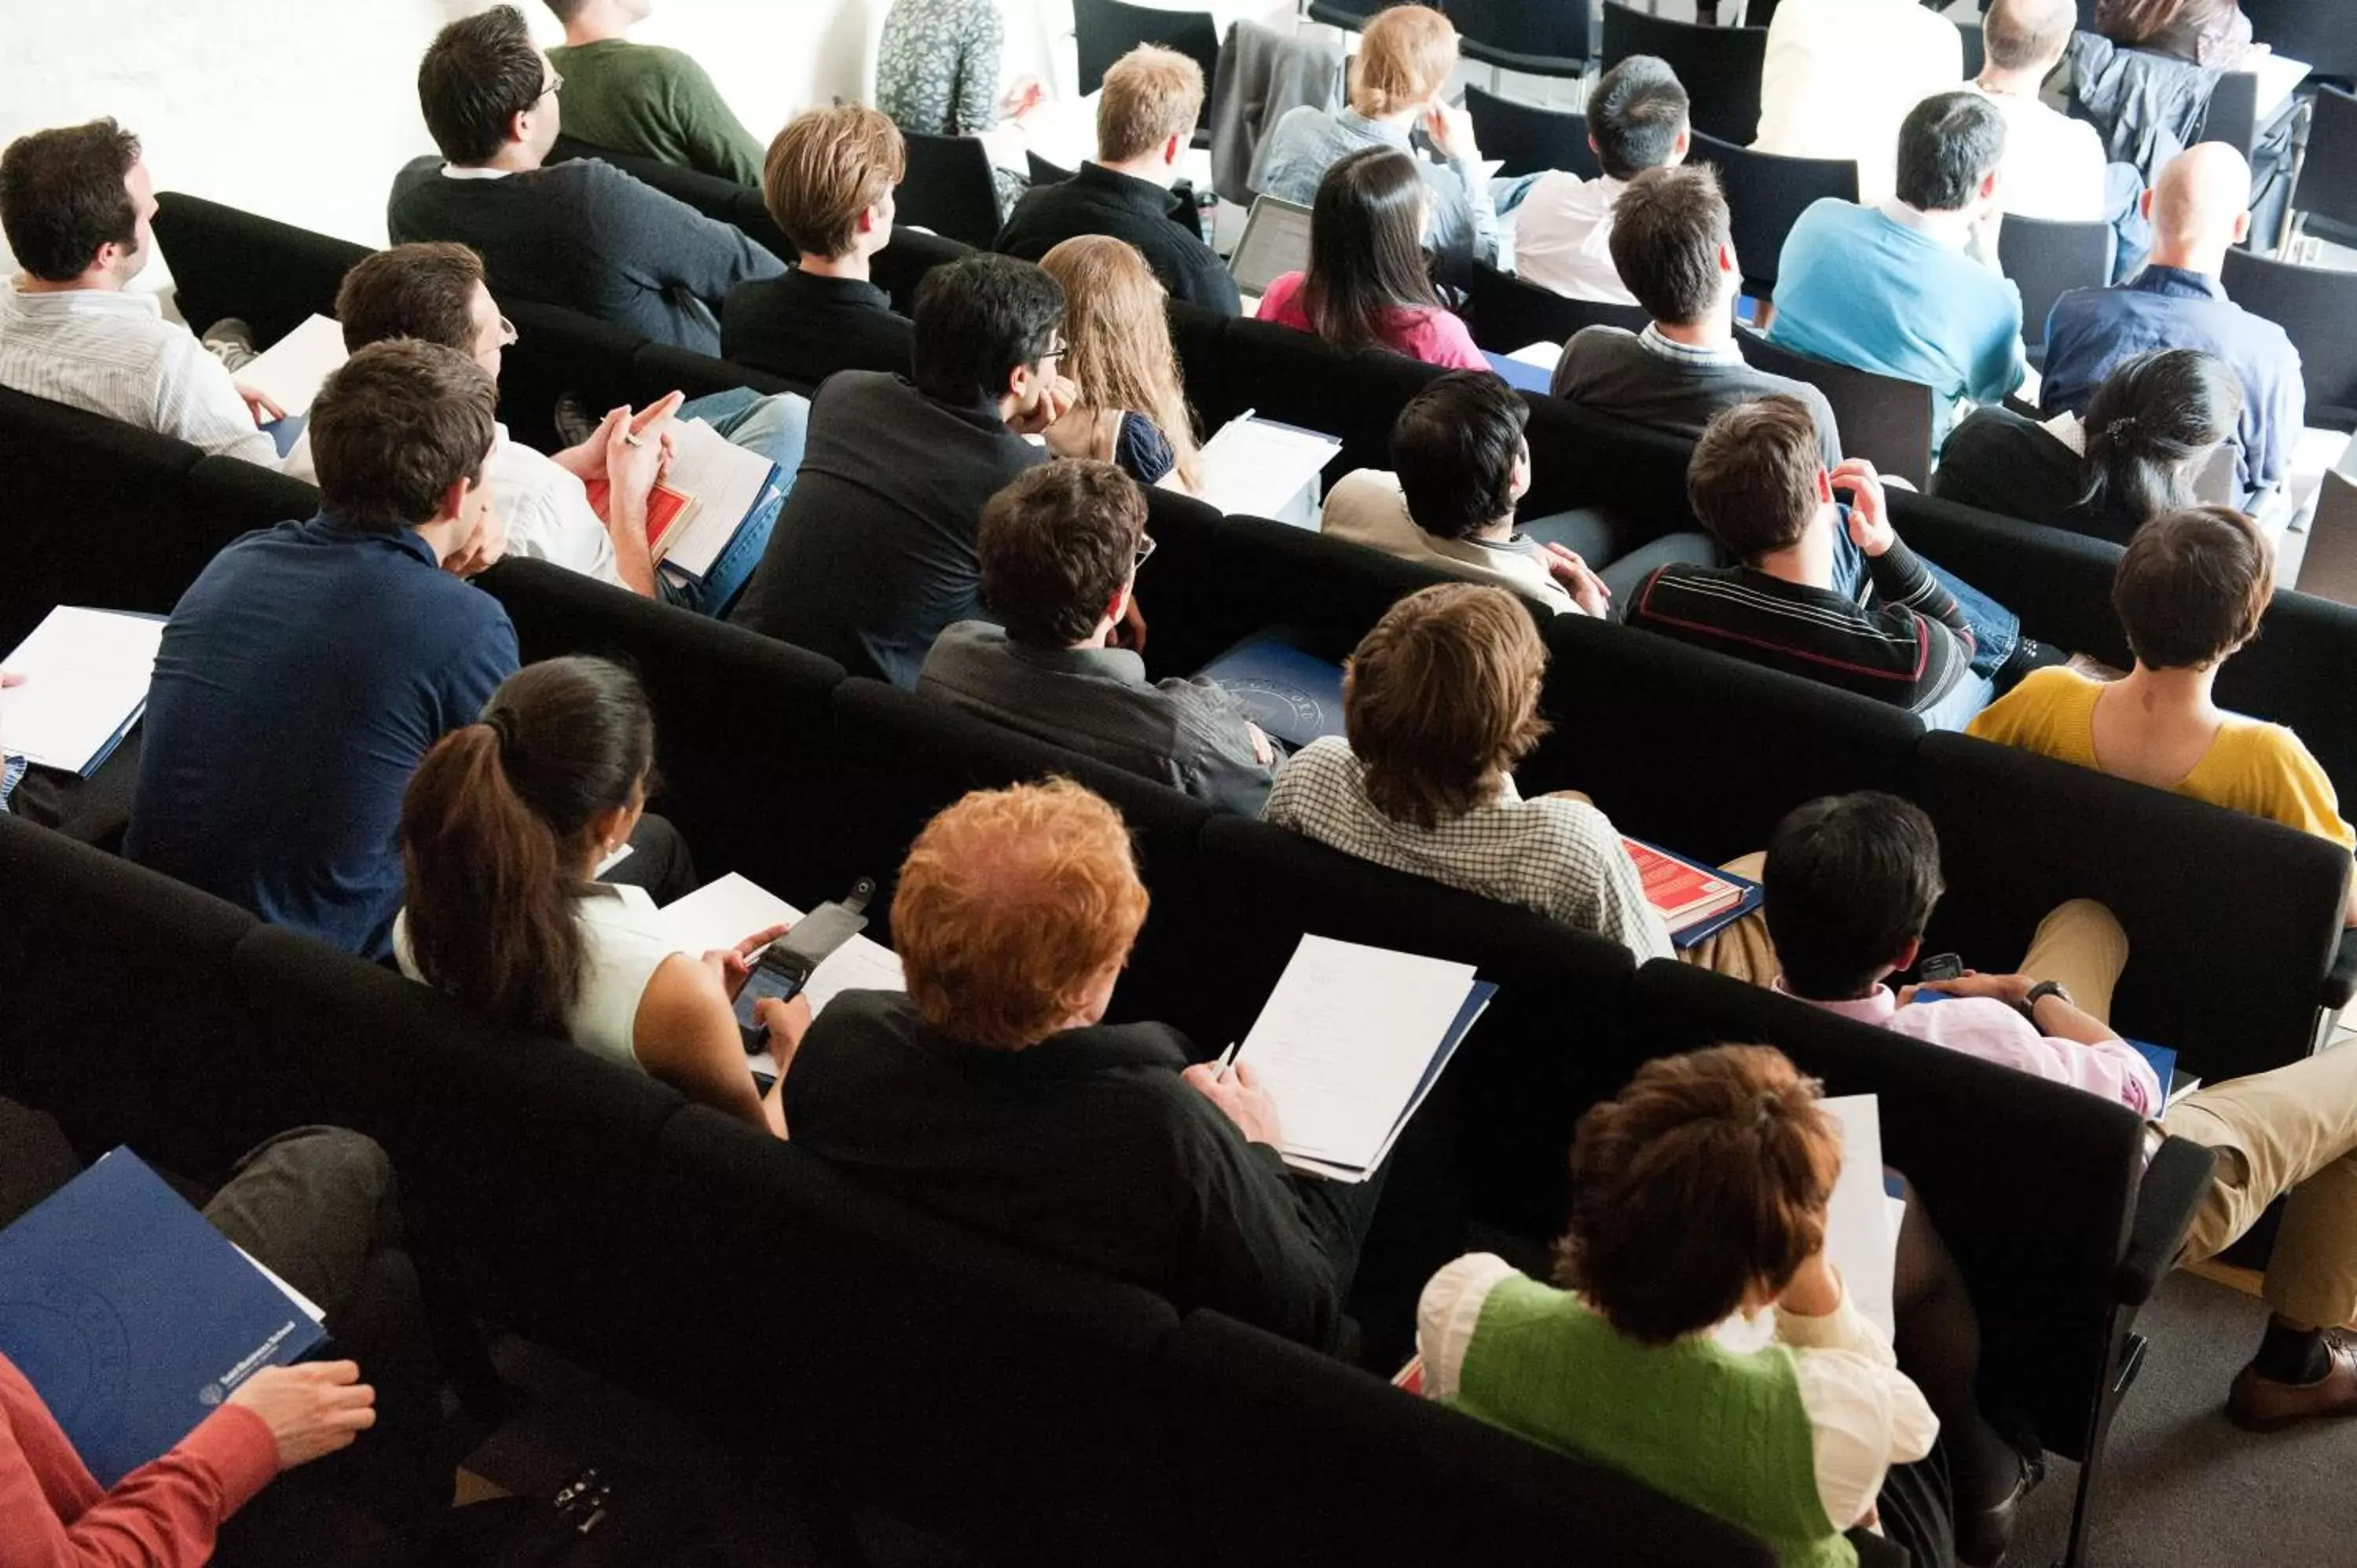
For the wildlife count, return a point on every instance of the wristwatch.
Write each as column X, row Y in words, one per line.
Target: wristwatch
column 2042, row 989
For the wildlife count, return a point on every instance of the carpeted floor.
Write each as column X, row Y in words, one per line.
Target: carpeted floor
column 2182, row 1487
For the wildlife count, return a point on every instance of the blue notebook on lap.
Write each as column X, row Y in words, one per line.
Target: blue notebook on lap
column 1293, row 695
column 133, row 1318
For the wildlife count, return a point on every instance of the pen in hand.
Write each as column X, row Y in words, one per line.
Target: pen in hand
column 1227, row 1060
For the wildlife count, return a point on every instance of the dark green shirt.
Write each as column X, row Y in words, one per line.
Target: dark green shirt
column 656, row 103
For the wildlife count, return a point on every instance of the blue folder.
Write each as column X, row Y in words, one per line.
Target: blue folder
column 1293, row 695
column 133, row 1318
column 1520, row 374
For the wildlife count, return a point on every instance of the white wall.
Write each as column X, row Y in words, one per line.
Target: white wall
column 302, row 110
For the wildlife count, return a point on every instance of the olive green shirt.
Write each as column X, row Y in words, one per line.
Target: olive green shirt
column 655, row 103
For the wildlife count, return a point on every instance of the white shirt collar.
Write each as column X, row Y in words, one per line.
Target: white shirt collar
column 1655, row 342
column 452, row 171
column 1940, row 228
column 130, row 302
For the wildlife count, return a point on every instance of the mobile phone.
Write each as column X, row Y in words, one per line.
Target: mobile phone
column 786, row 966
column 1939, row 966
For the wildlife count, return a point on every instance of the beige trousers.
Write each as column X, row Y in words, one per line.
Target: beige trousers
column 2292, row 1131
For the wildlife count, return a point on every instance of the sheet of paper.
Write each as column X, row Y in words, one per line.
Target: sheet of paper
column 85, row 677
column 290, row 370
column 725, row 912
column 1542, row 354
column 1861, row 1232
column 726, row 480
column 1345, row 1039
column 2279, row 77
column 1255, row 466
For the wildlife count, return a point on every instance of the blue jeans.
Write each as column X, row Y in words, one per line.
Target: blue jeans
column 1955, row 710
column 1996, row 630
column 777, row 426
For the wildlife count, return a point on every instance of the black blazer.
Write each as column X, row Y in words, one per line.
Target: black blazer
column 1097, row 200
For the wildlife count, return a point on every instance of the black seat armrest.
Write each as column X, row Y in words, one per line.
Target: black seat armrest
column 1878, row 1551
column 2173, row 1189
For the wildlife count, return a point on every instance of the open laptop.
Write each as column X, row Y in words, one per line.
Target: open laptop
column 1275, row 242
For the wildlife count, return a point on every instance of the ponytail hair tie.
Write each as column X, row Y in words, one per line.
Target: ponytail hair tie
column 501, row 724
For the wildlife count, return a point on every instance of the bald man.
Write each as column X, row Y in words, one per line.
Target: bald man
column 2197, row 208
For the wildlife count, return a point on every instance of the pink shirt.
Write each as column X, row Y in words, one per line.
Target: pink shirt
column 1436, row 337
column 1993, row 1031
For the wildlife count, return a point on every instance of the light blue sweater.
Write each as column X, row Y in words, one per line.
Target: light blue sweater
column 1860, row 288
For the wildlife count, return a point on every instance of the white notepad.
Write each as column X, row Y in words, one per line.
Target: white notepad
column 723, row 913
column 727, row 482
column 1346, row 1047
column 86, row 674
column 1259, row 467
column 1862, row 1221
column 291, row 371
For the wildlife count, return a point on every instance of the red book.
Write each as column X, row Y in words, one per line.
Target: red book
column 666, row 510
column 1684, row 893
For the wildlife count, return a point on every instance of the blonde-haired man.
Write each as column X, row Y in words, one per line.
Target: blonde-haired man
column 993, row 1093
column 828, row 183
column 1146, row 118
column 1406, row 56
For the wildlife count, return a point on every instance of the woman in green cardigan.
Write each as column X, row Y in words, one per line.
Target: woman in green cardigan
column 1702, row 1343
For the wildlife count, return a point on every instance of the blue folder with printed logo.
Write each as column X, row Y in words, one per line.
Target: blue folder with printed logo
column 1293, row 695
column 131, row 1317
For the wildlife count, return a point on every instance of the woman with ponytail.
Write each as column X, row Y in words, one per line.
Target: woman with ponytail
column 501, row 833
column 2150, row 430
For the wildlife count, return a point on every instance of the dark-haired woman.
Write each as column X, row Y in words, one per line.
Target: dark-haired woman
column 501, row 832
column 1367, row 285
column 2151, row 428
column 1699, row 1200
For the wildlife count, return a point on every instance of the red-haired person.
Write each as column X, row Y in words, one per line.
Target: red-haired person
column 994, row 1093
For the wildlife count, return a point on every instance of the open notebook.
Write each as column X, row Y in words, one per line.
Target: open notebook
column 725, row 912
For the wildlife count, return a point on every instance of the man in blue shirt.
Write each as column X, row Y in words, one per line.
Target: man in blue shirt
column 1910, row 287
column 2199, row 207
column 311, row 665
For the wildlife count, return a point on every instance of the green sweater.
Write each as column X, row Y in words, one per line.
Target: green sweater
column 1717, row 1429
column 656, row 103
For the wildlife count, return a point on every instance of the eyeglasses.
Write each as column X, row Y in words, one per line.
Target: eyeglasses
column 508, row 333
column 556, row 85
column 1145, row 550
column 1056, row 350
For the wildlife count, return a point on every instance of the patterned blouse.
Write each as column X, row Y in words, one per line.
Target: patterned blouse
column 937, row 68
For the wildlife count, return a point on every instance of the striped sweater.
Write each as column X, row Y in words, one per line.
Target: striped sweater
column 1903, row 640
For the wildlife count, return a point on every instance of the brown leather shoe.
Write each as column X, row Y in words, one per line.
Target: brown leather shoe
column 2263, row 1404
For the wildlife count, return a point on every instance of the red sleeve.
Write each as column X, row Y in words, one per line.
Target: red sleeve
column 162, row 1515
column 1441, row 339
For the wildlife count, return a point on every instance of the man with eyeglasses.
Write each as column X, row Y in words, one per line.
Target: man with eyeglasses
column 876, row 552
column 584, row 508
column 1060, row 550
column 580, row 234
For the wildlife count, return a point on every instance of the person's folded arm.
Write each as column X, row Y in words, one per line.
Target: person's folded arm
column 670, row 243
column 1247, row 1246
column 164, row 1514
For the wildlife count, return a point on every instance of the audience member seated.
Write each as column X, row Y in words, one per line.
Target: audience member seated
column 2152, row 430
column 1851, row 883
column 320, row 1207
column 1060, row 550
column 1563, row 229
column 2199, row 209
column 828, row 184
column 1876, row 621
column 1367, row 285
column 936, row 72
column 2212, row 33
column 1910, row 286
column 993, row 1093
column 1841, row 75
column 1699, row 1201
column 1441, row 700
column 1671, row 233
column 1146, row 122
column 579, row 233
column 75, row 204
column 1459, row 462
column 2189, row 592
column 436, row 292
column 1118, row 353
column 874, row 553
column 1406, row 55
column 502, row 832
column 2054, row 167
column 643, row 99
column 311, row 665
